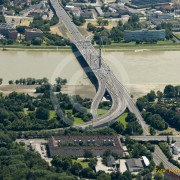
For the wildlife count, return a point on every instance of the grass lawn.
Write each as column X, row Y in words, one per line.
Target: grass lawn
column 80, row 161
column 122, row 118
column 77, row 121
column 101, row 111
column 26, row 112
column 177, row 35
column 165, row 42
column 52, row 114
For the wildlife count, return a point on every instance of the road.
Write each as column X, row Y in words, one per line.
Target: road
column 106, row 79
column 155, row 138
column 158, row 157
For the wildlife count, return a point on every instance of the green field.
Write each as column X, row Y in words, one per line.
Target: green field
column 122, row 119
column 101, row 111
column 82, row 162
column 52, row 114
column 77, row 121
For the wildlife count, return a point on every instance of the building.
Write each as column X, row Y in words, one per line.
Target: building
column 144, row 35
column 134, row 165
column 76, row 11
column 12, row 34
column 87, row 14
column 110, row 161
column 5, row 27
column 99, row 11
column 148, row 2
column 153, row 14
column 76, row 145
column 177, row 12
column 111, row 15
column 33, row 33
column 176, row 148
column 171, row 176
column 2, row 9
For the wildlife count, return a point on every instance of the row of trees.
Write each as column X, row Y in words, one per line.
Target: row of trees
column 29, row 81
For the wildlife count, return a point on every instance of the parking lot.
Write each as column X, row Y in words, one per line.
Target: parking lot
column 38, row 145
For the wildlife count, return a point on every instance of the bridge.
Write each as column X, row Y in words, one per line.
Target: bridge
column 107, row 82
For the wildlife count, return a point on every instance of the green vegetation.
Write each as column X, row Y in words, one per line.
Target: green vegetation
column 101, row 111
column 160, row 109
column 130, row 126
column 22, row 112
column 78, row 121
column 122, row 119
column 18, row 163
column 83, row 163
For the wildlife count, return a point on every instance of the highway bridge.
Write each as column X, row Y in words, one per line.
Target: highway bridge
column 107, row 82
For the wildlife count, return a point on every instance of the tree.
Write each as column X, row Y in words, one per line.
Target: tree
column 88, row 154
column 42, row 113
column 36, row 41
column 151, row 96
column 1, row 80
column 99, row 21
column 130, row 117
column 11, row 82
column 158, row 176
column 91, row 27
column 169, row 91
column 76, row 169
column 152, row 131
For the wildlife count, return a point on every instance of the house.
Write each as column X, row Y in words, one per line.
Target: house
column 111, row 15
column 110, row 161
column 176, row 148
column 12, row 34
column 76, row 11
column 134, row 165
column 33, row 33
column 87, row 14
column 76, row 145
column 1, row 9
column 9, row 12
column 5, row 27
column 99, row 11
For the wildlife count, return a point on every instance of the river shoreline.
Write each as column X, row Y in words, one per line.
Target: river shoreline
column 108, row 48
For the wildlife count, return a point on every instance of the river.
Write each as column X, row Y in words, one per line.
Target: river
column 138, row 69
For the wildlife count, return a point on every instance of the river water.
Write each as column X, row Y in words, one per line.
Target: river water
column 148, row 67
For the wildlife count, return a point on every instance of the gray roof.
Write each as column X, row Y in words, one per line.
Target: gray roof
column 134, row 163
column 110, row 160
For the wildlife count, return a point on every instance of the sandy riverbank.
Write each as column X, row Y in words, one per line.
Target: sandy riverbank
column 87, row 91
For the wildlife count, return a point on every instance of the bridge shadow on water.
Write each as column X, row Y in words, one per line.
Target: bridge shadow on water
column 87, row 69
column 85, row 66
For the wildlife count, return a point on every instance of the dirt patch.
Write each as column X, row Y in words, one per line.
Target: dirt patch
column 85, row 91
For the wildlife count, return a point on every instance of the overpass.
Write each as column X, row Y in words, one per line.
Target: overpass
column 156, row 138
column 107, row 82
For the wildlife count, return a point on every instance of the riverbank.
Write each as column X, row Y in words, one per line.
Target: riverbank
column 121, row 47
column 86, row 91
